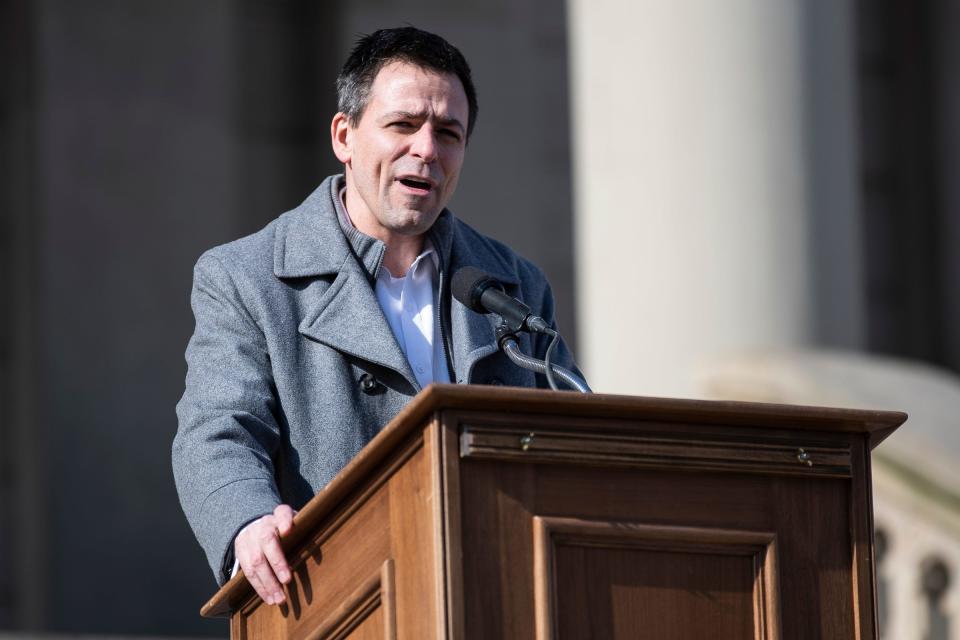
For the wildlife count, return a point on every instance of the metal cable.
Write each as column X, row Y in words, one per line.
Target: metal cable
column 510, row 347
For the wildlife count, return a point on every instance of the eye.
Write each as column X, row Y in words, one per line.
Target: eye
column 402, row 125
column 451, row 134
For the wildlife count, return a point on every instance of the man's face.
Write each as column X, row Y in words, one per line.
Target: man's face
column 403, row 158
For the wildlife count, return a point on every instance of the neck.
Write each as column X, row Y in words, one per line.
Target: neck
column 400, row 253
column 401, row 250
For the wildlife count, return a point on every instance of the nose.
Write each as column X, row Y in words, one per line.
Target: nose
column 424, row 144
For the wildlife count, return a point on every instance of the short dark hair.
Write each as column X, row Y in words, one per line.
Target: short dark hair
column 405, row 44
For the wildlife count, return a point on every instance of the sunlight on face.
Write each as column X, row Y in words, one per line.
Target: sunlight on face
column 403, row 158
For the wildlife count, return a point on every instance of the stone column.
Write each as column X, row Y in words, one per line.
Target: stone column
column 694, row 127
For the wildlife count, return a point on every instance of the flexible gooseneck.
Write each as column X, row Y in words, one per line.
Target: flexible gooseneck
column 510, row 346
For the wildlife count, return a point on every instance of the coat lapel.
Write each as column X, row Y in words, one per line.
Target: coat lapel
column 473, row 334
column 347, row 318
column 473, row 339
column 345, row 315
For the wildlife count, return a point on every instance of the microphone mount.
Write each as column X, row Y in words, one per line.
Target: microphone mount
column 508, row 343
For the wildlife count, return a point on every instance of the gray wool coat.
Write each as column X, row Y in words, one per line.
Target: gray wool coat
column 287, row 327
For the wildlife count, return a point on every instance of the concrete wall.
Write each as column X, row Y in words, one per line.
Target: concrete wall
column 151, row 141
column 948, row 159
column 136, row 174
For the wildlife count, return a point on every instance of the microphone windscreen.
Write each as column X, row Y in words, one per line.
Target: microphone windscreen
column 468, row 283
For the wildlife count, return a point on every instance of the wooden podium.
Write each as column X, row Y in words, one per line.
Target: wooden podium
column 493, row 512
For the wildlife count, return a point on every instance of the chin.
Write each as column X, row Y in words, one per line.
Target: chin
column 414, row 222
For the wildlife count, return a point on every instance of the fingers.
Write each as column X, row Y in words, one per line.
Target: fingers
column 253, row 564
column 263, row 581
column 258, row 550
column 284, row 518
column 248, row 548
column 276, row 564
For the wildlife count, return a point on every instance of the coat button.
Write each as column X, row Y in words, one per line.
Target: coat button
column 368, row 383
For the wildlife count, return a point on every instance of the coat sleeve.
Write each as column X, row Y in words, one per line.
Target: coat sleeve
column 228, row 434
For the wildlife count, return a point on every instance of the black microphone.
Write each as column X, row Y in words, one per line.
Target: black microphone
column 484, row 294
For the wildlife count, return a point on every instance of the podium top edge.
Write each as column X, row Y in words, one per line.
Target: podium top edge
column 440, row 396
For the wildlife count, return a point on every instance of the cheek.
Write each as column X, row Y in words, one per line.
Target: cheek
column 387, row 157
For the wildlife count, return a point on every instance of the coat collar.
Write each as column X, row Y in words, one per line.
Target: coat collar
column 310, row 242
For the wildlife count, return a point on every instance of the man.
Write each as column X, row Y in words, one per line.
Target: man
column 314, row 332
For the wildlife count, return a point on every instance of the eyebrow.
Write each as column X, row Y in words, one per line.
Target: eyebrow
column 445, row 122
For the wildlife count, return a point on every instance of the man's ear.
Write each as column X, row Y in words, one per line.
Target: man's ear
column 341, row 137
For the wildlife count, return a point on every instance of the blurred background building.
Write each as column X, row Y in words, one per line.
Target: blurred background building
column 750, row 200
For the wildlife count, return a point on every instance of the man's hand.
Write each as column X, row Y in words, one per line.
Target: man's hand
column 257, row 548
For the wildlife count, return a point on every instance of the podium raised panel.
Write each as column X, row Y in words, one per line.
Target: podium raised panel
column 616, row 579
column 369, row 613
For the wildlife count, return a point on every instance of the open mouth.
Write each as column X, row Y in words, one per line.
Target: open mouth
column 418, row 185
